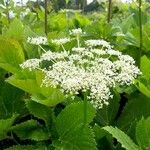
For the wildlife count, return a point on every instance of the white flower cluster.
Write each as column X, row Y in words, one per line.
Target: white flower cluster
column 61, row 41
column 31, row 64
column 76, row 32
column 87, row 69
column 40, row 40
column 54, row 56
column 94, row 43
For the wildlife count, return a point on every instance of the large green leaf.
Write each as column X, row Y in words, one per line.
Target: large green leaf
column 11, row 55
column 122, row 138
column 44, row 113
column 71, row 129
column 143, row 133
column 11, row 100
column 30, row 130
column 32, row 84
column 137, row 107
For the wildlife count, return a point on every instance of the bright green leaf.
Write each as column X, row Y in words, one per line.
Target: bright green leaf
column 143, row 133
column 122, row 138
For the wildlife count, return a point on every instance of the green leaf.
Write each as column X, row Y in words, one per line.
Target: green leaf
column 32, row 84
column 137, row 107
column 80, row 139
column 145, row 65
column 107, row 114
column 122, row 138
column 15, row 30
column 31, row 50
column 11, row 55
column 11, row 100
column 99, row 132
column 71, row 129
column 5, row 125
column 143, row 133
column 143, row 86
column 44, row 113
column 30, row 130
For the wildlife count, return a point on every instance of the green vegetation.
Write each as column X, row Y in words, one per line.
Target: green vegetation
column 76, row 77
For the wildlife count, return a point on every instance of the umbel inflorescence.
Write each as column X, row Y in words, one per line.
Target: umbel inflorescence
column 95, row 69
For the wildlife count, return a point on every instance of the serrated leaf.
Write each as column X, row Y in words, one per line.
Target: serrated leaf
column 11, row 55
column 40, row 111
column 80, row 139
column 122, row 138
column 137, row 107
column 30, row 130
column 5, row 125
column 70, row 126
column 143, row 133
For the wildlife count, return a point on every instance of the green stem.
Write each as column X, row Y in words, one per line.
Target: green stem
column 42, row 48
column 140, row 31
column 85, row 108
column 39, row 51
column 63, row 47
column 78, row 41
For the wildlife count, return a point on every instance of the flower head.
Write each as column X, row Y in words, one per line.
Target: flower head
column 37, row 40
column 30, row 64
column 61, row 41
column 87, row 69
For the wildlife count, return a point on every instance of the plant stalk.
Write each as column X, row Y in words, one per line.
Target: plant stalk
column 109, row 11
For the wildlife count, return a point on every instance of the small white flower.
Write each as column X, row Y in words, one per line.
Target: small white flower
column 94, row 43
column 49, row 55
column 113, row 52
column 76, row 32
column 37, row 40
column 61, row 41
column 98, row 52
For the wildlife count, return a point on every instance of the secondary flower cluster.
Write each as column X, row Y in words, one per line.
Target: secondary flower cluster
column 95, row 69
column 40, row 40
